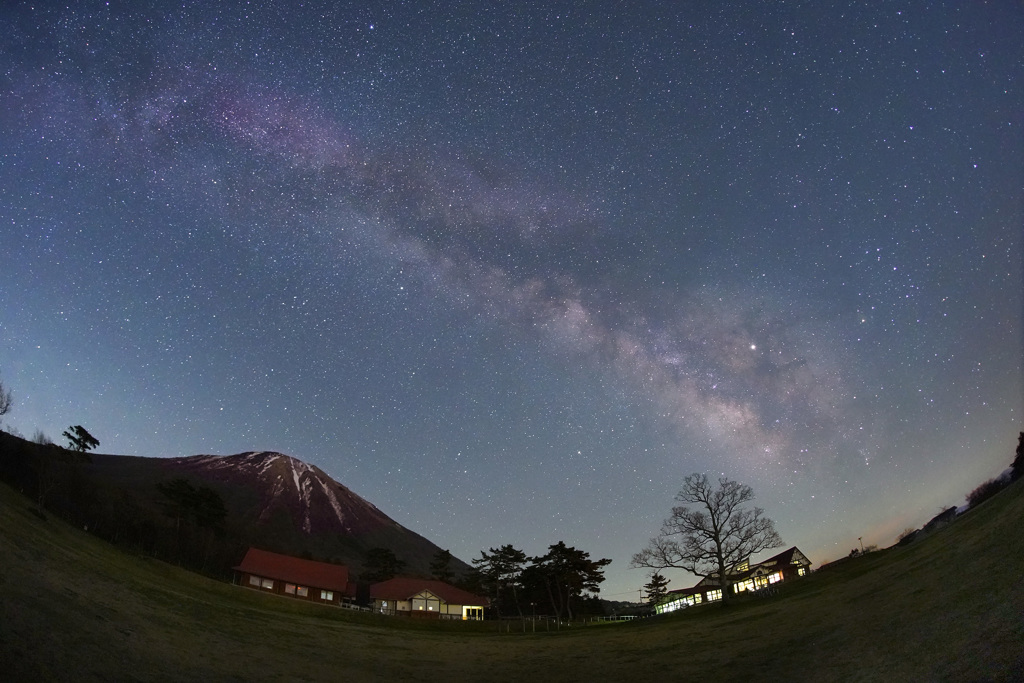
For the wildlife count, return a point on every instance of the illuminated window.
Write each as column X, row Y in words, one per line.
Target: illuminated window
column 801, row 571
column 775, row 578
column 741, row 586
column 302, row 591
column 289, row 588
column 254, row 580
column 714, row 595
column 327, row 595
column 268, row 584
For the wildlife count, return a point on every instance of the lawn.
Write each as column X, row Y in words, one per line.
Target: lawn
column 950, row 607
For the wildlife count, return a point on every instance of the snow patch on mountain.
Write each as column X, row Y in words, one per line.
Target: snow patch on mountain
column 333, row 500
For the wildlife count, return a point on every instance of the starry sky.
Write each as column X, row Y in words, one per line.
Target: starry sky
column 512, row 271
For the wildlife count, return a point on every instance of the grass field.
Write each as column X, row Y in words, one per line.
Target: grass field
column 950, row 607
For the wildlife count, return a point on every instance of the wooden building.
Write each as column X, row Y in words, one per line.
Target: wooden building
column 744, row 577
column 426, row 598
column 295, row 577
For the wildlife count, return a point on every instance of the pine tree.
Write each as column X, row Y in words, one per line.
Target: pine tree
column 656, row 588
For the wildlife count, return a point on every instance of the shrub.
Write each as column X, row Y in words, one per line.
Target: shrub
column 985, row 491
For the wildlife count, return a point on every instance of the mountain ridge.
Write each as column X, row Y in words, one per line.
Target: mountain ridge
column 272, row 501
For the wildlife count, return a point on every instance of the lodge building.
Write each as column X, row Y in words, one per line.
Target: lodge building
column 744, row 577
column 295, row 577
column 426, row 598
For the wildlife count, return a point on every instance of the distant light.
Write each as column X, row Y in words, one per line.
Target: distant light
column 753, row 347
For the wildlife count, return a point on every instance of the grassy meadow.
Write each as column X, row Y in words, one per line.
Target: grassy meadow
column 949, row 607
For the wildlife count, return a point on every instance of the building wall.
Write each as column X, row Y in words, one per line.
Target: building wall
column 434, row 609
column 288, row 589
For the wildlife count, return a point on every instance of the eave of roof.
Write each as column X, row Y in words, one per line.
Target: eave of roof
column 296, row 570
column 402, row 588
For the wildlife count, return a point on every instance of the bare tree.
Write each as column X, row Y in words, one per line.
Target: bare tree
column 6, row 400
column 41, row 438
column 713, row 537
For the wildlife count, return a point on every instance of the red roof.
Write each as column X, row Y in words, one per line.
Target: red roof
column 403, row 589
column 295, row 570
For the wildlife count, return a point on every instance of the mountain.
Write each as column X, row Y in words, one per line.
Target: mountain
column 273, row 501
column 290, row 506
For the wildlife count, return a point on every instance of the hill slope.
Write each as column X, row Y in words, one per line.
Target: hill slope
column 272, row 501
column 947, row 609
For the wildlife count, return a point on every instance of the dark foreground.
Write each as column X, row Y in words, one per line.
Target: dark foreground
column 949, row 608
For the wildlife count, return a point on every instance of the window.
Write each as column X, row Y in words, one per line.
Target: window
column 775, row 578
column 254, row 580
column 801, row 571
column 715, row 595
column 741, row 586
column 289, row 588
column 327, row 595
column 268, row 584
column 302, row 591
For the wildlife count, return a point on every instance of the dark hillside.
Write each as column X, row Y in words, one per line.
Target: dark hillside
column 945, row 609
column 272, row 501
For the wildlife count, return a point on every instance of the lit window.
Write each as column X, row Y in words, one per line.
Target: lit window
column 289, row 588
column 302, row 591
column 714, row 595
column 801, row 571
column 741, row 586
column 268, row 584
column 254, row 580
column 327, row 595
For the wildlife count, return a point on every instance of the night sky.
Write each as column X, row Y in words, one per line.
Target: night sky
column 511, row 272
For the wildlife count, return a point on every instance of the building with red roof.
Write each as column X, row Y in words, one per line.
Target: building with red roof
column 295, row 577
column 426, row 598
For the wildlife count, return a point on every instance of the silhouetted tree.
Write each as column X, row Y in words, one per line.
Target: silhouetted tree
column 40, row 437
column 471, row 581
column 79, row 439
column 985, row 491
column 178, row 500
column 501, row 571
column 656, row 588
column 441, row 566
column 907, row 534
column 1018, row 462
column 566, row 573
column 54, row 466
column 713, row 538
column 6, row 400
column 198, row 513
column 381, row 564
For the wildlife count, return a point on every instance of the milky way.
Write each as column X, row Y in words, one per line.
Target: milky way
column 512, row 275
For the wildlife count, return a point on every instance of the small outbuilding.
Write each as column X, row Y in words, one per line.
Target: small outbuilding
column 295, row 577
column 426, row 598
